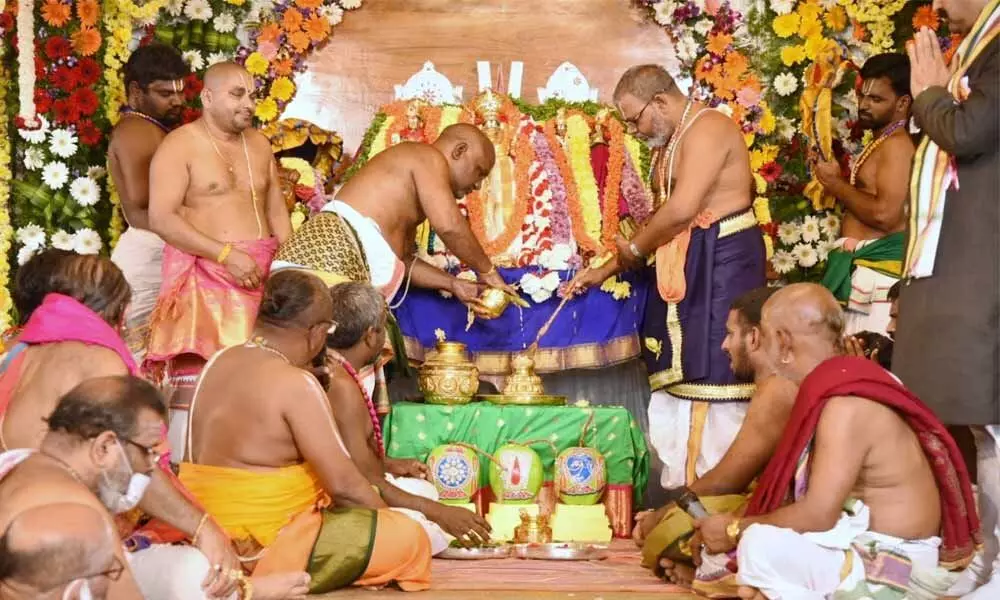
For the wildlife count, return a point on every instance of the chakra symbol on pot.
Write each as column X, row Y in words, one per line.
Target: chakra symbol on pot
column 453, row 471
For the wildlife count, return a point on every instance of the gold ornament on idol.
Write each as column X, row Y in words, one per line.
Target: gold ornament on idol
column 232, row 172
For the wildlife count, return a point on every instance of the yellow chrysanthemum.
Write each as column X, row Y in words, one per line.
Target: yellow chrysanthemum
column 282, row 89
column 761, row 186
column 786, row 25
column 767, row 121
column 307, row 176
column 836, row 19
column 768, row 247
column 267, row 109
column 809, row 10
column 810, row 28
column 762, row 210
column 749, row 139
column 792, row 55
column 256, row 64
column 816, row 45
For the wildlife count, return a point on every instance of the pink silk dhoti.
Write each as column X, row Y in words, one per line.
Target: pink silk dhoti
column 201, row 308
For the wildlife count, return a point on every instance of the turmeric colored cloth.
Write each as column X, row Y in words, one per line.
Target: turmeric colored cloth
column 201, row 308
column 284, row 515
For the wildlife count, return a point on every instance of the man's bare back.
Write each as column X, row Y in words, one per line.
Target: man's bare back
column 730, row 174
column 885, row 174
column 895, row 481
column 40, row 481
column 133, row 142
column 49, row 371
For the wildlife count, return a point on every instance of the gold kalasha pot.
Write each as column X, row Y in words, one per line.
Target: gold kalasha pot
column 448, row 376
column 523, row 381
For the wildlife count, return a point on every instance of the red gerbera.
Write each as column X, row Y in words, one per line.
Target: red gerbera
column 43, row 102
column 192, row 86
column 57, row 47
column 86, row 100
column 190, row 114
column 770, row 172
column 89, row 134
column 66, row 111
column 88, row 70
column 65, row 78
column 6, row 21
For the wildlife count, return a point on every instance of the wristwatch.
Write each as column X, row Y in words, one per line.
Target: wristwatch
column 733, row 531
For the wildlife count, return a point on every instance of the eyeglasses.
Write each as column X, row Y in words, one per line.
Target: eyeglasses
column 632, row 123
column 152, row 454
column 113, row 573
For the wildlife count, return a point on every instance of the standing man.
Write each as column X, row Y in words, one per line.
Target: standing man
column 708, row 251
column 869, row 255
column 947, row 341
column 215, row 198
column 154, row 81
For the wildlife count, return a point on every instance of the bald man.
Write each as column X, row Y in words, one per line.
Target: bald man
column 367, row 232
column 866, row 487
column 215, row 198
column 59, row 551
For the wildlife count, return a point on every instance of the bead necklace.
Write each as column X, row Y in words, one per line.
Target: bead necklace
column 127, row 110
column 258, row 341
column 368, row 399
column 232, row 173
column 666, row 153
column 870, row 149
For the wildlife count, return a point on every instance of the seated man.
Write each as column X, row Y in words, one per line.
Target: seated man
column 58, row 551
column 663, row 534
column 73, row 336
column 877, row 347
column 866, row 491
column 100, row 451
column 264, row 456
column 356, row 339
column 31, row 285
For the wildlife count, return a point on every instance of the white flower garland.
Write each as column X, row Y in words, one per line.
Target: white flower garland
column 26, row 61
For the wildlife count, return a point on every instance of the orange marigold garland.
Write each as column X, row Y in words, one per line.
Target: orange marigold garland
column 584, row 242
column 613, row 182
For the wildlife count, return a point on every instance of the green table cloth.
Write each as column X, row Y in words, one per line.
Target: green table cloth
column 412, row 430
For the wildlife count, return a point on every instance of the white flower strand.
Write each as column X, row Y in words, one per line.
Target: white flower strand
column 26, row 62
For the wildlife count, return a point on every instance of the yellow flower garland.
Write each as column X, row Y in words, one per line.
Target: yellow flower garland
column 578, row 140
column 381, row 140
column 5, row 230
column 118, row 23
column 876, row 15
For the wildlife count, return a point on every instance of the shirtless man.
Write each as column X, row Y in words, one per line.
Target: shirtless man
column 100, row 451
column 263, row 445
column 216, row 199
column 154, row 80
column 70, row 337
column 882, row 469
column 874, row 197
column 61, row 551
column 385, row 202
column 360, row 314
column 754, row 444
column 703, row 182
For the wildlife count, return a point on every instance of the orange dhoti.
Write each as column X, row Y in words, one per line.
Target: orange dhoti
column 284, row 516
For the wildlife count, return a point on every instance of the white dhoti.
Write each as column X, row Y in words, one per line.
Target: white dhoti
column 868, row 307
column 786, row 565
column 139, row 254
column 167, row 572
column 690, row 437
column 425, row 489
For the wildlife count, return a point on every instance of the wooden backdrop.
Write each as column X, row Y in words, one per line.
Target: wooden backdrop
column 386, row 41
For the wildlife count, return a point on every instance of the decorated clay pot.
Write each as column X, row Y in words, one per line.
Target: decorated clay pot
column 449, row 377
column 516, row 474
column 454, row 472
column 581, row 475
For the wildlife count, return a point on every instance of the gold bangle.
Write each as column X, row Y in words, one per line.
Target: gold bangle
column 224, row 253
column 246, row 587
column 197, row 531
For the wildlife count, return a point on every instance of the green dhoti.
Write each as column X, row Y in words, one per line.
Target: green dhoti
column 883, row 256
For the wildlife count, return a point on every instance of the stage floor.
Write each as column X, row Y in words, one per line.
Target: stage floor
column 619, row 577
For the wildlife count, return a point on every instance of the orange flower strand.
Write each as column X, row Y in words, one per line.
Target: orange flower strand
column 56, row 14
column 583, row 241
column 88, row 11
column 86, row 41
column 613, row 183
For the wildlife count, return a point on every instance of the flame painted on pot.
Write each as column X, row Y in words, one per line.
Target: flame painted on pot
column 516, row 474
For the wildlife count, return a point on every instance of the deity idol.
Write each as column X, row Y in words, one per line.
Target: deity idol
column 499, row 191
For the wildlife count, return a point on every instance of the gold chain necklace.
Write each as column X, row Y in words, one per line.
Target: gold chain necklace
column 870, row 149
column 258, row 341
column 667, row 153
column 232, row 173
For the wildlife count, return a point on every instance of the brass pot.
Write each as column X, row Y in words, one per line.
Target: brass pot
column 523, row 381
column 495, row 301
column 449, row 377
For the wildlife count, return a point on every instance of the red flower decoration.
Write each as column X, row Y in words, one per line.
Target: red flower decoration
column 66, row 112
column 57, row 47
column 89, row 134
column 771, row 172
column 86, row 100
column 190, row 114
column 43, row 102
column 65, row 78
column 192, row 86
column 88, row 70
column 6, row 21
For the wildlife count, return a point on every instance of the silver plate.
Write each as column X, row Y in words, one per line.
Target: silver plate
column 561, row 551
column 453, row 553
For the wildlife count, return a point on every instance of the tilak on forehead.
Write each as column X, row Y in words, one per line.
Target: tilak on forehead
column 178, row 85
column 866, row 87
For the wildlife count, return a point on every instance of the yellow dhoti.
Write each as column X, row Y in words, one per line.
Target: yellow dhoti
column 284, row 516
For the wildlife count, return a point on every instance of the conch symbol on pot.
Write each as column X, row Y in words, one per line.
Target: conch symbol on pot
column 581, row 475
column 454, row 472
column 516, row 474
